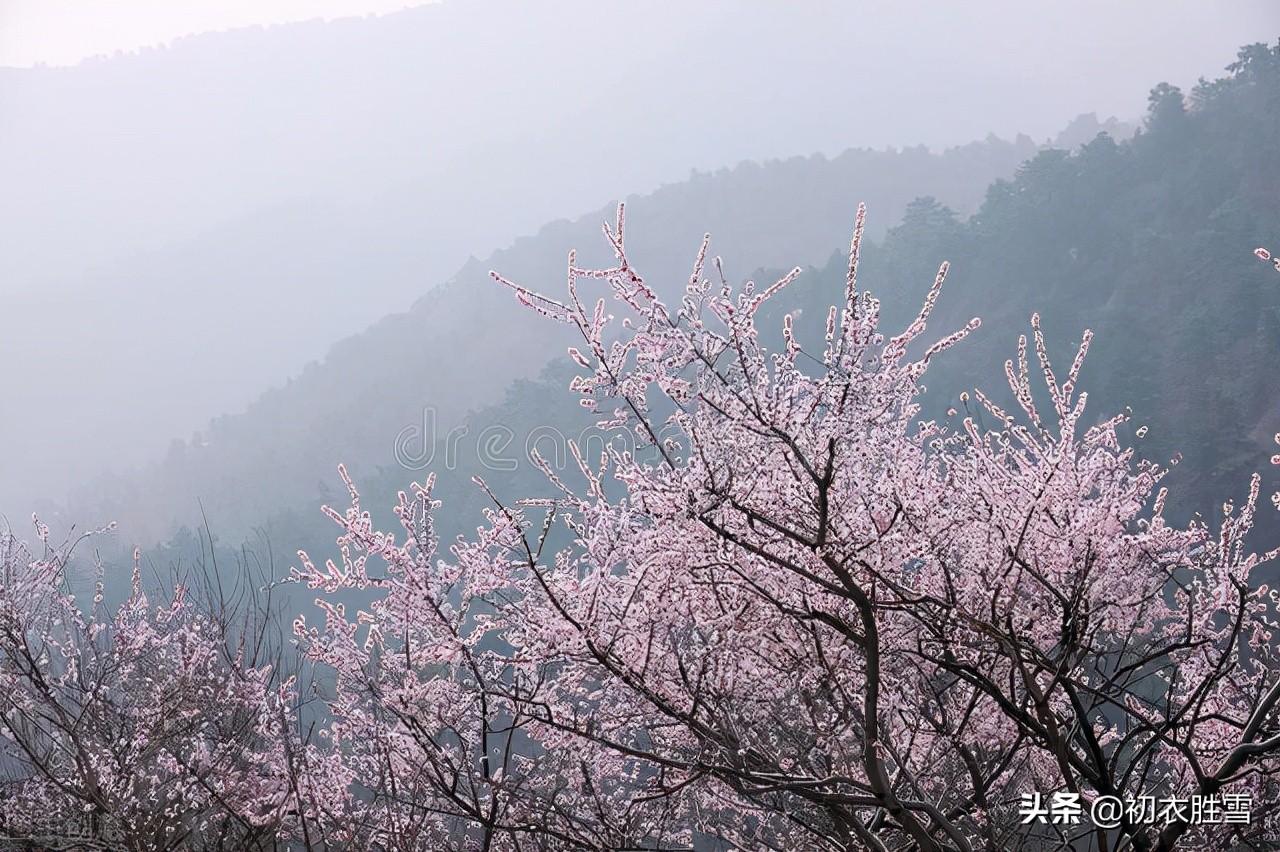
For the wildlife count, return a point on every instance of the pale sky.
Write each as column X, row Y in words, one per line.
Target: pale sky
column 63, row 32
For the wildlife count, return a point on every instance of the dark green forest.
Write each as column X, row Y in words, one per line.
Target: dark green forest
column 1147, row 241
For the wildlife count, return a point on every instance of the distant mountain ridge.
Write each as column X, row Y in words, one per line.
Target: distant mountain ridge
column 1148, row 242
column 187, row 226
column 465, row 341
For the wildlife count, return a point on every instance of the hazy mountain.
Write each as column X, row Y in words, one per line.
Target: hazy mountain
column 184, row 227
column 459, row 346
column 1147, row 242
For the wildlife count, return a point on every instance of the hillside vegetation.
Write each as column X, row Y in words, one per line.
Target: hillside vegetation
column 1148, row 241
column 464, row 342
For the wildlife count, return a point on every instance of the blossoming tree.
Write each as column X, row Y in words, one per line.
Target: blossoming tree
column 143, row 727
column 811, row 619
column 807, row 617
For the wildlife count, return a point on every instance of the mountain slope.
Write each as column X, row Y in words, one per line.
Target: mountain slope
column 185, row 226
column 1148, row 242
column 463, row 342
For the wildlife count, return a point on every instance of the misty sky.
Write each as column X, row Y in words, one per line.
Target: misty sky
column 186, row 227
column 1095, row 53
column 63, row 32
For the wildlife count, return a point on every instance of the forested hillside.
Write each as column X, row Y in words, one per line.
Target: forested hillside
column 1147, row 242
column 465, row 341
column 207, row 218
column 1150, row 244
